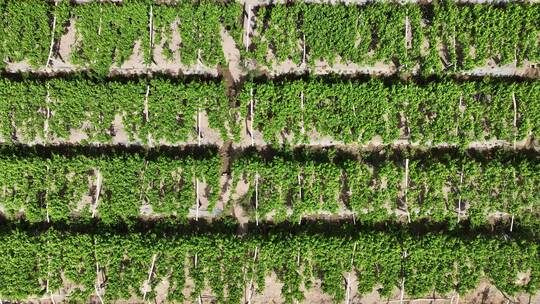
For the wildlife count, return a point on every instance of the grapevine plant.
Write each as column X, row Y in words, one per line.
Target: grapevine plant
column 118, row 265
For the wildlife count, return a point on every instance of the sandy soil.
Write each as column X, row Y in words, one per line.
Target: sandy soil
column 485, row 293
column 135, row 65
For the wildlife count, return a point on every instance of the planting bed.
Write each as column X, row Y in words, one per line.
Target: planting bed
column 269, row 152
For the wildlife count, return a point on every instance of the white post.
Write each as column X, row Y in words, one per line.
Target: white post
column 197, row 202
column 406, row 189
column 98, row 190
column 408, row 33
column 52, row 39
column 512, row 223
column 515, row 54
column 151, row 27
column 257, row 198
column 248, row 26
column 96, row 287
column 199, row 59
column 252, row 116
column 515, row 117
column 199, row 299
column 459, row 199
column 100, row 21
column 302, row 113
column 48, row 272
column 402, row 289
column 150, row 271
column 303, row 49
column 251, row 281
column 198, row 126
column 348, row 291
column 47, row 114
column 146, row 103
column 299, row 195
column 47, row 203
column 455, row 44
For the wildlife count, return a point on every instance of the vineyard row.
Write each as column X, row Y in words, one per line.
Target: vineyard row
column 324, row 111
column 435, row 38
column 109, row 266
column 47, row 185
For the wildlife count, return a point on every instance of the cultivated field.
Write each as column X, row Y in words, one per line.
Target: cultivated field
column 213, row 151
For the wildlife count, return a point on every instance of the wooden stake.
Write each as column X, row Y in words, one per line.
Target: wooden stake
column 515, row 117
column 100, row 19
column 455, row 44
column 251, row 281
column 302, row 113
column 198, row 126
column 199, row 299
column 47, row 202
column 303, row 49
column 459, row 199
column 97, row 275
column 199, row 59
column 47, row 114
column 98, row 190
column 197, row 202
column 406, row 188
column 402, row 290
column 348, row 291
column 512, row 223
column 151, row 27
column 52, row 39
column 300, row 195
column 146, row 119
column 256, row 198
column 248, row 26
column 515, row 54
column 408, row 33
column 252, row 116
column 150, row 271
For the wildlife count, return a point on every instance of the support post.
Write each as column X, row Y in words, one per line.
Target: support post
column 49, row 57
column 146, row 119
column 150, row 271
column 406, row 189
column 257, row 198
column 98, row 190
column 197, row 200
column 251, row 280
column 252, row 116
column 248, row 26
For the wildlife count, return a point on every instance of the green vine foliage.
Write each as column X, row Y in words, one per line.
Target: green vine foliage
column 288, row 112
column 430, row 38
column 26, row 33
column 198, row 25
column 289, row 186
column 439, row 37
column 43, row 184
column 108, row 33
column 63, row 187
column 94, row 111
column 429, row 263
column 356, row 111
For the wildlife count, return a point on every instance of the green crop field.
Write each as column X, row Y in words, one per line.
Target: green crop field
column 175, row 151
